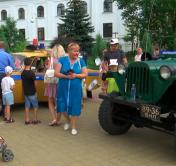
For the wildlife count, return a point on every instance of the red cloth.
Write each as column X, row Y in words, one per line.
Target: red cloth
column 35, row 42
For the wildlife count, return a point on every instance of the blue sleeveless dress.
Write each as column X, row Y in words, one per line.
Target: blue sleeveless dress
column 69, row 92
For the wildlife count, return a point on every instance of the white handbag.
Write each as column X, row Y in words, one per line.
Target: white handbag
column 49, row 75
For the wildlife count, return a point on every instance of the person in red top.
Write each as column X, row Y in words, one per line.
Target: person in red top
column 138, row 56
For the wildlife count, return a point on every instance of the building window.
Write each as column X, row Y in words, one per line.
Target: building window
column 21, row 13
column 22, row 33
column 41, row 34
column 60, row 9
column 3, row 15
column 107, row 30
column 40, row 11
column 108, row 6
column 85, row 6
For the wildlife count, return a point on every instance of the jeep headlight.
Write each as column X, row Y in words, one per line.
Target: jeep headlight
column 165, row 72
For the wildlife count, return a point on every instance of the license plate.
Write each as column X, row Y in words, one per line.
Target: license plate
column 150, row 112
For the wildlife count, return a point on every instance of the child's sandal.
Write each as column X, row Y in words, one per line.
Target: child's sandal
column 36, row 121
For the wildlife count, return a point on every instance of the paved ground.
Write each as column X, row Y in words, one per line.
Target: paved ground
column 41, row 145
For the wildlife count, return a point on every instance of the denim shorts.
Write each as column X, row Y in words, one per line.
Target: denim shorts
column 8, row 99
column 31, row 101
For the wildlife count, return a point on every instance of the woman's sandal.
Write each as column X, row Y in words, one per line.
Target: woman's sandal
column 5, row 119
column 54, row 123
column 27, row 122
column 10, row 120
column 36, row 121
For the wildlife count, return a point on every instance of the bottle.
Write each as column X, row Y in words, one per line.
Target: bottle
column 133, row 92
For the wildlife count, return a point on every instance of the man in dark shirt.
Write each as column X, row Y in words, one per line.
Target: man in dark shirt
column 115, row 53
column 29, row 88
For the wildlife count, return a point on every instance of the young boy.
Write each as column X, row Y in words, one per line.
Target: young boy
column 29, row 89
column 7, row 86
column 110, row 82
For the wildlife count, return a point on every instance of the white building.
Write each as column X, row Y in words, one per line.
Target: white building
column 40, row 18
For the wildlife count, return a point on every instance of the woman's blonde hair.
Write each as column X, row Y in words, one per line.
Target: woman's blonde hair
column 58, row 51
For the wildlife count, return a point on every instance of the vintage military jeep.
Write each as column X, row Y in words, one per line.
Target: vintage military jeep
column 155, row 103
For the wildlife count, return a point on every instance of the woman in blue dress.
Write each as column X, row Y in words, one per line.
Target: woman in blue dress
column 71, row 70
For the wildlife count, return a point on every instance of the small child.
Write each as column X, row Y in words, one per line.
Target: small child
column 103, row 71
column 7, row 86
column 110, row 82
column 29, row 89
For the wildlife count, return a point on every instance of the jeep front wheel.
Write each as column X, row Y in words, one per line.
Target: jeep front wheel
column 108, row 122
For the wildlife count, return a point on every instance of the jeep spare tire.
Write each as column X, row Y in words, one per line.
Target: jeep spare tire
column 109, row 123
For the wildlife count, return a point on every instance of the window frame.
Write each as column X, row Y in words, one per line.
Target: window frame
column 23, row 32
column 40, row 12
column 60, row 9
column 41, row 33
column 107, row 6
column 107, row 34
column 3, row 17
column 21, row 14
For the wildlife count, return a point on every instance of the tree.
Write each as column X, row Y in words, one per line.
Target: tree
column 97, row 51
column 98, row 47
column 2, row 38
column 130, row 15
column 13, row 38
column 76, row 24
column 158, row 17
column 146, row 43
column 61, row 39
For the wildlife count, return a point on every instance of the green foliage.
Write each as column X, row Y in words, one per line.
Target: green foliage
column 130, row 55
column 61, row 39
column 2, row 38
column 13, row 39
column 98, row 47
column 146, row 43
column 97, row 51
column 158, row 17
column 76, row 24
column 20, row 46
column 91, row 63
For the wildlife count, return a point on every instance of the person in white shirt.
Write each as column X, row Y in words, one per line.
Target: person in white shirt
column 7, row 86
column 137, row 58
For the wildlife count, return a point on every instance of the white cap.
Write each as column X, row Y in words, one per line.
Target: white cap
column 113, row 62
column 114, row 41
column 8, row 70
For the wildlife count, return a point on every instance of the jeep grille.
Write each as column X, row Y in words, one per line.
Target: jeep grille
column 138, row 75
